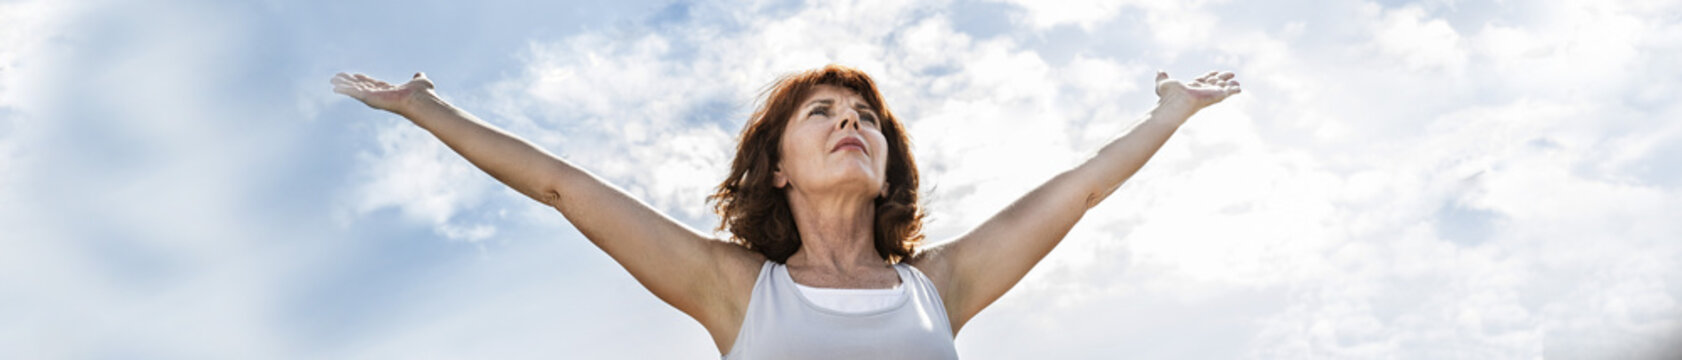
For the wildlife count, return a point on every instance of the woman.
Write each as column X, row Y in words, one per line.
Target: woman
column 821, row 204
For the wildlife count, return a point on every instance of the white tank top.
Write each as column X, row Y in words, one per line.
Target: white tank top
column 853, row 300
column 781, row 323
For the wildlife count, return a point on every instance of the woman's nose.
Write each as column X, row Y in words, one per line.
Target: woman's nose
column 849, row 118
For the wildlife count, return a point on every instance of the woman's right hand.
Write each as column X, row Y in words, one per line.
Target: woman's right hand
column 1189, row 97
column 382, row 95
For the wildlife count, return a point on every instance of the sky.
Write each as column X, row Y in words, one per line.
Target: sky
column 1413, row 180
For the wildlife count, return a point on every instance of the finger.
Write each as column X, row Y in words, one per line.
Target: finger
column 351, row 85
column 344, row 78
column 347, row 90
column 420, row 77
column 1161, row 75
column 372, row 81
column 1227, row 75
column 1211, row 73
column 1234, row 82
column 365, row 80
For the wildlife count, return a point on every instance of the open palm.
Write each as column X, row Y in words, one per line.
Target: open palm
column 1206, row 90
column 379, row 94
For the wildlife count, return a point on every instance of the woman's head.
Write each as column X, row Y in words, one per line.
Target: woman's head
column 822, row 130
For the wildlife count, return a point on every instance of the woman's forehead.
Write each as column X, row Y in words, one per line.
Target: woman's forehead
column 832, row 92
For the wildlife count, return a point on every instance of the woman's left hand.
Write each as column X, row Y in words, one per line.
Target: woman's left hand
column 1208, row 89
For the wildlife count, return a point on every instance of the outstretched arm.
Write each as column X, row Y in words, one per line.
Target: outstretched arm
column 980, row 266
column 700, row 276
column 511, row 160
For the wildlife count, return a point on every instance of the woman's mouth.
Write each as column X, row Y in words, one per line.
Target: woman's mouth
column 849, row 143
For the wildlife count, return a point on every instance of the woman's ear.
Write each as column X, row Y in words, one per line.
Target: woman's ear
column 778, row 180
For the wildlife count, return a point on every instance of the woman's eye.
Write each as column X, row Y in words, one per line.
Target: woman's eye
column 819, row 111
column 869, row 118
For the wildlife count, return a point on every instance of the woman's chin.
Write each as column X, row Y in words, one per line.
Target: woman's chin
column 853, row 179
column 856, row 172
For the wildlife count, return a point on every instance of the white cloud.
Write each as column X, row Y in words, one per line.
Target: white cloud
column 1084, row 13
column 1585, row 48
column 423, row 179
column 28, row 26
column 1361, row 241
column 1167, row 18
column 1419, row 44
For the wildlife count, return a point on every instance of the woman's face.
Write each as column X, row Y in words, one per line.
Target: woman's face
column 834, row 143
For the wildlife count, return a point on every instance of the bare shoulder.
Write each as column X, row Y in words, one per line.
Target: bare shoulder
column 935, row 262
column 736, row 268
column 736, row 263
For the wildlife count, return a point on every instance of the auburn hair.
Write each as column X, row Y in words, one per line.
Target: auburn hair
column 756, row 212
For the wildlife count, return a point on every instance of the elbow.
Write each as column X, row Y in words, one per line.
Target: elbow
column 1093, row 198
column 1098, row 194
column 549, row 185
column 1092, row 189
column 549, row 197
column 548, row 192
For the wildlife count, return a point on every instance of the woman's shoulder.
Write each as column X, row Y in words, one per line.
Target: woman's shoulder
column 933, row 262
column 930, row 258
column 736, row 260
column 737, row 250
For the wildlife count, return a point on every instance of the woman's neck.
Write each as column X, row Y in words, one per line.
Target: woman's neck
column 835, row 233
